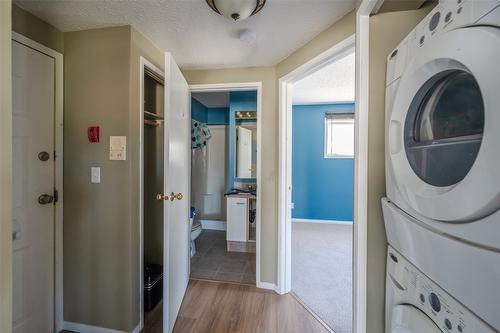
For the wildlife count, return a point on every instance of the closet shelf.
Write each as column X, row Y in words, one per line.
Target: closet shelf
column 154, row 123
column 152, row 115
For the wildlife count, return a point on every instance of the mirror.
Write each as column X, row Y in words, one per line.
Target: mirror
column 246, row 145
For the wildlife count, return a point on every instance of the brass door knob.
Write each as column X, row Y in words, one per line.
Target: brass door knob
column 161, row 197
column 174, row 196
column 171, row 197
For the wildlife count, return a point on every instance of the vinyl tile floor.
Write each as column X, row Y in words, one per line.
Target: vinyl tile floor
column 213, row 262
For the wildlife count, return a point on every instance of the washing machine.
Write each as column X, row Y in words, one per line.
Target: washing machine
column 416, row 304
column 442, row 152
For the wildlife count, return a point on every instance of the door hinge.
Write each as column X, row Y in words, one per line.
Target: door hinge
column 56, row 196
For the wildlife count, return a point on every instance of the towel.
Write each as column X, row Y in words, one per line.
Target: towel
column 200, row 134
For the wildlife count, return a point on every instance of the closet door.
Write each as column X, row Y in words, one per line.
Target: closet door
column 177, row 231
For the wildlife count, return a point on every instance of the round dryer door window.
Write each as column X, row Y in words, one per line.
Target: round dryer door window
column 444, row 127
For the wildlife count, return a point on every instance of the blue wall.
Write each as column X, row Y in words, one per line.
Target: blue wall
column 322, row 187
column 238, row 101
column 210, row 116
column 198, row 111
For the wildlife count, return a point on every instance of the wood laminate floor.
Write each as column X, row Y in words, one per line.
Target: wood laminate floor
column 221, row 307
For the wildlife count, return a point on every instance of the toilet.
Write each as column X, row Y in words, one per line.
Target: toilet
column 195, row 230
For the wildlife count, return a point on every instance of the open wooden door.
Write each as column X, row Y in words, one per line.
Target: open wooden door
column 177, row 231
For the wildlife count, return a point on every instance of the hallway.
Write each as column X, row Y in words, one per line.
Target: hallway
column 218, row 307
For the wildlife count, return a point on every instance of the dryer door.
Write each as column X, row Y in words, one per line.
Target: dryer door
column 408, row 319
column 445, row 147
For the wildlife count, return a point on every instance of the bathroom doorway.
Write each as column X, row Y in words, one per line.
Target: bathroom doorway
column 224, row 183
column 320, row 167
column 152, row 182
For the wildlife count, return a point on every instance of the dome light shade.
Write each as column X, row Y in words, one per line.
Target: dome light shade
column 236, row 10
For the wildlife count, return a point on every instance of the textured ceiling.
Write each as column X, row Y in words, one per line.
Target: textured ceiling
column 213, row 99
column 197, row 36
column 332, row 84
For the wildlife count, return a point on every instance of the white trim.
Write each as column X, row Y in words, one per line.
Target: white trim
column 320, row 221
column 360, row 214
column 143, row 62
column 82, row 328
column 58, row 146
column 285, row 153
column 360, row 158
column 242, row 86
column 268, row 286
column 213, row 225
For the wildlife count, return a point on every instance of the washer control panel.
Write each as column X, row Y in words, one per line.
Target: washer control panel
column 411, row 286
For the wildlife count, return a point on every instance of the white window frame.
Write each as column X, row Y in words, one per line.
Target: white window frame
column 341, row 117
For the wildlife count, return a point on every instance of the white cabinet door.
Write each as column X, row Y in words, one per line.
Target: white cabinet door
column 237, row 218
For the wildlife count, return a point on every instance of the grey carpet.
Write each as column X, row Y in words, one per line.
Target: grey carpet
column 322, row 271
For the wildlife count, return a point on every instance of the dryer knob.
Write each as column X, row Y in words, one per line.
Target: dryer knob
column 435, row 303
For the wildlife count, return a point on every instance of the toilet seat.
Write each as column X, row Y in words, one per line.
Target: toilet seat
column 196, row 226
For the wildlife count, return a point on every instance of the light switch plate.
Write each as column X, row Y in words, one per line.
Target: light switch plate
column 118, row 148
column 95, row 175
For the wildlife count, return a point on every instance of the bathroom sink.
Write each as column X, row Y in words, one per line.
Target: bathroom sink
column 239, row 191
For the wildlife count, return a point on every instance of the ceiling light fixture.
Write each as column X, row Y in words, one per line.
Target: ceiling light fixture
column 236, row 9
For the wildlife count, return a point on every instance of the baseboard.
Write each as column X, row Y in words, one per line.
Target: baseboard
column 213, row 225
column 267, row 285
column 321, row 221
column 82, row 328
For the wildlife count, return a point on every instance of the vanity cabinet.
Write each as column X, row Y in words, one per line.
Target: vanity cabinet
column 237, row 219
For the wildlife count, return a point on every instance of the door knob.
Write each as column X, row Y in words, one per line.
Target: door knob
column 45, row 199
column 171, row 197
column 174, row 196
column 161, row 197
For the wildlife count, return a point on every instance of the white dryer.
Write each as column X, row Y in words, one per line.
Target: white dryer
column 415, row 304
column 443, row 152
column 443, row 121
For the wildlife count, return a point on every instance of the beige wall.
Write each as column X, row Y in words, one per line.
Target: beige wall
column 34, row 28
column 337, row 32
column 101, row 221
column 5, row 168
column 386, row 31
column 98, row 271
column 269, row 172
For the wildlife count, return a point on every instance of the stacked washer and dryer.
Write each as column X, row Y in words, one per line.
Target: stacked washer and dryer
column 442, row 212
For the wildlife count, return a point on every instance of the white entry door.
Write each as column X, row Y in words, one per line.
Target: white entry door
column 177, row 231
column 33, row 79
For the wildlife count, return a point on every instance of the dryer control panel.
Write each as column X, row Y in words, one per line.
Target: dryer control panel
column 410, row 286
column 446, row 16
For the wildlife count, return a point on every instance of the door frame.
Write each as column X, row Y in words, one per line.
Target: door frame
column 245, row 86
column 360, row 170
column 58, row 165
column 143, row 62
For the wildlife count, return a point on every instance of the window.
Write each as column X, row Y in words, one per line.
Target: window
column 339, row 135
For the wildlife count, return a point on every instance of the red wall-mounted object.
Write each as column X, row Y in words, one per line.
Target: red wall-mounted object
column 93, row 134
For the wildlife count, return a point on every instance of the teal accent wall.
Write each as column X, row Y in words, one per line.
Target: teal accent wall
column 218, row 116
column 210, row 116
column 198, row 111
column 322, row 187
